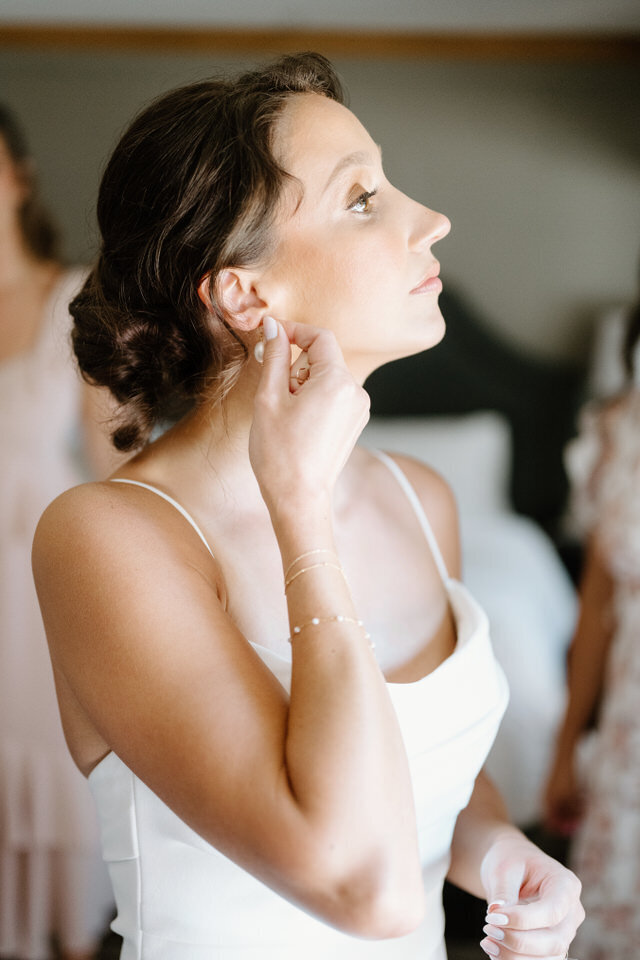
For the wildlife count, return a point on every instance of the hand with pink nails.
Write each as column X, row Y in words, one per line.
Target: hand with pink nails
column 307, row 417
column 533, row 901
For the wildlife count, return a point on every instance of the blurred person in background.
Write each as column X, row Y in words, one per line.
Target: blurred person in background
column 52, row 880
column 604, row 674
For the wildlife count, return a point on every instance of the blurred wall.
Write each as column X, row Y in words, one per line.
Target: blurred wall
column 538, row 166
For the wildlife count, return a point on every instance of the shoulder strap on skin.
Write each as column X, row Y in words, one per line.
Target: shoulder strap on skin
column 174, row 503
column 414, row 500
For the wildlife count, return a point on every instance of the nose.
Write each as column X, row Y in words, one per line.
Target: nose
column 429, row 227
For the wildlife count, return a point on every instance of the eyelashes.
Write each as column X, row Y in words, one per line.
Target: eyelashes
column 362, row 203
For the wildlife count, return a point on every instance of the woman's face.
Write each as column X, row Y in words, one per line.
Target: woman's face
column 353, row 253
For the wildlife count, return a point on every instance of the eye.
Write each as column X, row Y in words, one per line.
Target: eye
column 362, row 203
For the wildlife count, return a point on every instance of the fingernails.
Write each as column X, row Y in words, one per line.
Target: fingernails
column 495, row 904
column 490, row 947
column 494, row 932
column 270, row 328
column 499, row 919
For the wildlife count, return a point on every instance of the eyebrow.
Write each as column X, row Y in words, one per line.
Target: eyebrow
column 358, row 158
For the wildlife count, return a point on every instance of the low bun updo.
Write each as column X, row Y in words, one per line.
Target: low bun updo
column 191, row 188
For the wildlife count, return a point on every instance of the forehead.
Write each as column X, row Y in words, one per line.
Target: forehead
column 315, row 133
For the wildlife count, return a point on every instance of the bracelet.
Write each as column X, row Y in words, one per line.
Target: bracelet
column 338, row 618
column 312, row 566
column 302, row 556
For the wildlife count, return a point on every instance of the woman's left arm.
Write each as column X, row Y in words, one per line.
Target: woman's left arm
column 534, row 902
column 538, row 900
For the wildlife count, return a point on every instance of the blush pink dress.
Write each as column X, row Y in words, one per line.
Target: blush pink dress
column 51, row 877
column 604, row 464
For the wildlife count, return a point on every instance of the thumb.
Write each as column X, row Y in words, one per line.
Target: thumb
column 277, row 355
column 503, row 880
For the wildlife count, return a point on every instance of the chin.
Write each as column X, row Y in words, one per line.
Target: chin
column 425, row 336
column 428, row 335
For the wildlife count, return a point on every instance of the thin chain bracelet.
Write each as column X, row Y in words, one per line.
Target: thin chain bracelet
column 312, row 566
column 309, row 553
column 338, row 618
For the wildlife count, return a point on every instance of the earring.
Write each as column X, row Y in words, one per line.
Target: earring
column 258, row 349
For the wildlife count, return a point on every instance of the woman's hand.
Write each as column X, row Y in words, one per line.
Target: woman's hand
column 534, row 902
column 303, row 432
column 563, row 797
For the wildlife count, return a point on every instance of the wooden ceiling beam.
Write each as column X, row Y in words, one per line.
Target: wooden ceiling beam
column 360, row 44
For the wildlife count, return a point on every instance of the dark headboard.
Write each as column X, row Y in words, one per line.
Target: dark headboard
column 475, row 369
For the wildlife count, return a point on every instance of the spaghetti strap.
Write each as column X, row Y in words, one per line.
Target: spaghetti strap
column 418, row 509
column 174, row 503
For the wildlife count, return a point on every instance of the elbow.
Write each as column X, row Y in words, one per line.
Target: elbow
column 387, row 917
column 381, row 914
column 375, row 903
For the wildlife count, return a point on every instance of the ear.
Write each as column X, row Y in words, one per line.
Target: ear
column 238, row 297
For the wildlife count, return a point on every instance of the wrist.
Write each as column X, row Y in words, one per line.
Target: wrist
column 301, row 527
column 296, row 517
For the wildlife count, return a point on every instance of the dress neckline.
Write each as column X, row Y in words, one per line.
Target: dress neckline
column 457, row 594
column 451, row 585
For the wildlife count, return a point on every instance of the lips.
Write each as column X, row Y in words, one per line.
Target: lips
column 431, row 283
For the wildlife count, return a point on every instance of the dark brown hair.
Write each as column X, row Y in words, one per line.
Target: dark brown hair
column 39, row 233
column 191, row 188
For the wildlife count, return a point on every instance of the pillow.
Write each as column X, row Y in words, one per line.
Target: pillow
column 472, row 452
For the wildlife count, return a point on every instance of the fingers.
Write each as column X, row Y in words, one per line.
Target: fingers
column 277, row 358
column 319, row 348
column 544, row 911
column 539, row 928
column 300, row 372
column 520, row 945
column 320, row 344
column 507, row 880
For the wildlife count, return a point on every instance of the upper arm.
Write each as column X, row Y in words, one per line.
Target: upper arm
column 596, row 595
column 138, row 631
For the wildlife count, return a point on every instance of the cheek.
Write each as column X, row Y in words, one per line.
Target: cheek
column 340, row 282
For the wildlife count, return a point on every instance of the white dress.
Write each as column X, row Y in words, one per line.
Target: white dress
column 50, row 868
column 604, row 463
column 179, row 898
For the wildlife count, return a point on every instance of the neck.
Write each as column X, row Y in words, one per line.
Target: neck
column 210, row 444
column 206, row 455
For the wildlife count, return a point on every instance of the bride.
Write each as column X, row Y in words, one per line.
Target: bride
column 266, row 665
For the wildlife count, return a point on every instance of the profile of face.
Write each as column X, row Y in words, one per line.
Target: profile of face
column 352, row 253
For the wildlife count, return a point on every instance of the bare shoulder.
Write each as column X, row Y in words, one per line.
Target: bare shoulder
column 103, row 533
column 437, row 499
column 108, row 516
column 77, row 516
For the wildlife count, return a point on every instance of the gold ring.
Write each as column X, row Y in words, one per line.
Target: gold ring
column 302, row 375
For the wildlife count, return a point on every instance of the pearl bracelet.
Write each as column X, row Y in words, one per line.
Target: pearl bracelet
column 338, row 618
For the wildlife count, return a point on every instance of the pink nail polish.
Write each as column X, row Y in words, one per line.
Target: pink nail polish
column 498, row 919
column 490, row 947
column 494, row 932
column 495, row 904
column 270, row 328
